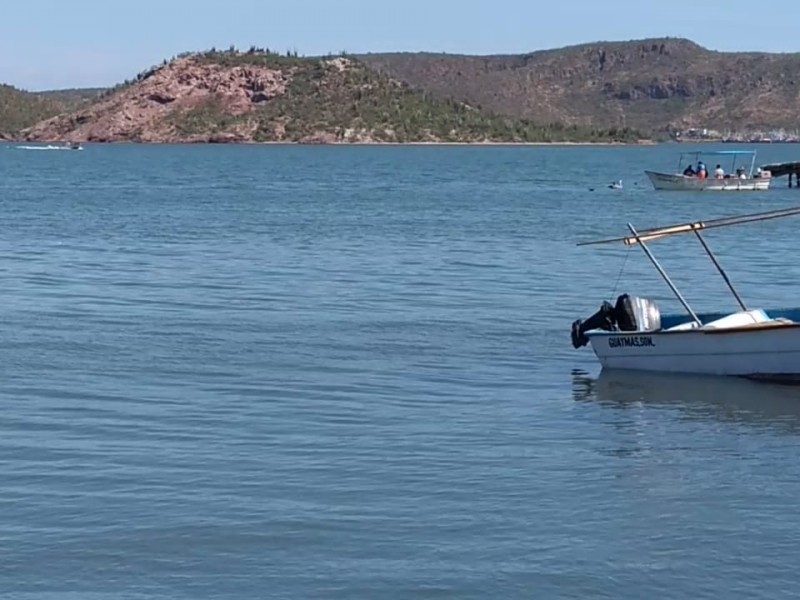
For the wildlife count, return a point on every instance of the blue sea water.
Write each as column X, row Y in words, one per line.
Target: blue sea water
column 345, row 372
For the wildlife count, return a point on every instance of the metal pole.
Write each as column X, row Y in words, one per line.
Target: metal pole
column 665, row 277
column 720, row 269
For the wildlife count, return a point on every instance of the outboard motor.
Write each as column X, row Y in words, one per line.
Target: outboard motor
column 630, row 313
column 602, row 319
column 636, row 314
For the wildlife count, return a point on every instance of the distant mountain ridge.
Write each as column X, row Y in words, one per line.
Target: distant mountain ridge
column 600, row 92
column 652, row 84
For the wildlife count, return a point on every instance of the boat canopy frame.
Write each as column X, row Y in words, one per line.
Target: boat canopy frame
column 646, row 235
column 728, row 153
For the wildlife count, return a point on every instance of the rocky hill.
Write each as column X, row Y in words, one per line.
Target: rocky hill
column 652, row 85
column 261, row 96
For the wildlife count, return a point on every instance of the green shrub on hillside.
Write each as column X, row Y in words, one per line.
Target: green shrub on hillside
column 20, row 109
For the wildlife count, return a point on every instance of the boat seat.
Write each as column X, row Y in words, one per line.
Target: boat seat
column 683, row 326
column 757, row 318
column 739, row 319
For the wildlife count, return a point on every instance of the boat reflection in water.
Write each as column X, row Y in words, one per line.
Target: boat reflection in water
column 725, row 399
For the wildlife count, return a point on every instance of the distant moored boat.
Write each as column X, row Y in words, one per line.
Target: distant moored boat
column 738, row 179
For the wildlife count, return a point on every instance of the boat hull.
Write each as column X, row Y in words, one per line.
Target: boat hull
column 768, row 352
column 669, row 181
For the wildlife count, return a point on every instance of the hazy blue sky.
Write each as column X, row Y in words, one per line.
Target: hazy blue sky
column 70, row 43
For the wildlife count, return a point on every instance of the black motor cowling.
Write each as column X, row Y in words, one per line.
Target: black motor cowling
column 602, row 319
column 630, row 313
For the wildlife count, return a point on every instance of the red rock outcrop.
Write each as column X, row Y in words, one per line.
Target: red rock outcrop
column 141, row 111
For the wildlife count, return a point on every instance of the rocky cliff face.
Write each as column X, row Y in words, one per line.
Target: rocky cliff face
column 142, row 111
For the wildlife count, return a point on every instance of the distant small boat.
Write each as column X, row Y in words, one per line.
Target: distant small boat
column 73, row 145
column 61, row 147
column 616, row 185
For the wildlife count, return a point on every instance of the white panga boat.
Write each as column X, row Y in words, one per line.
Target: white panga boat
column 738, row 179
column 749, row 342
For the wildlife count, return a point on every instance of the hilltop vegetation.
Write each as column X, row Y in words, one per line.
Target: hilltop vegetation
column 265, row 96
column 339, row 99
column 19, row 109
column 74, row 98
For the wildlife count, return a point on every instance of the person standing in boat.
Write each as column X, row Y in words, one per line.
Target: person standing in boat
column 688, row 171
column 719, row 172
column 702, row 173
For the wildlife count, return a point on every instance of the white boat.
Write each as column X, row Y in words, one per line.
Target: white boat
column 737, row 179
column 749, row 342
column 52, row 147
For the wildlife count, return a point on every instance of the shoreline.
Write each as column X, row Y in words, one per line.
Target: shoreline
column 335, row 144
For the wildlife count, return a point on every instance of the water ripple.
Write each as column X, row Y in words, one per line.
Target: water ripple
column 346, row 372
